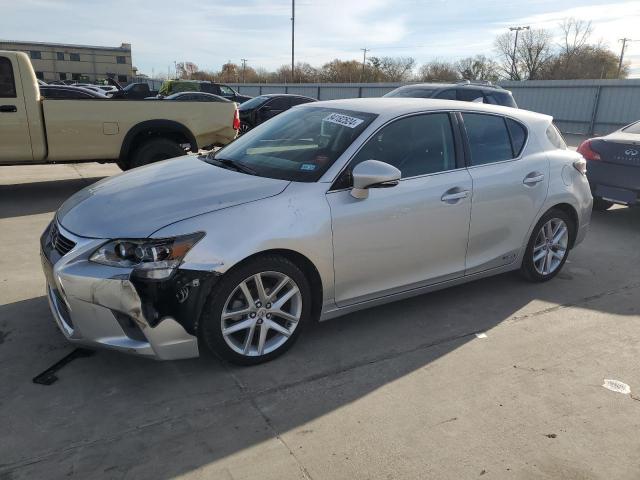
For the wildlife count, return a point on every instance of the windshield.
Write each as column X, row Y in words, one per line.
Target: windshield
column 253, row 103
column 412, row 92
column 297, row 145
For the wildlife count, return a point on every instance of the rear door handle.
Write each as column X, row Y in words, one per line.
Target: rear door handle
column 454, row 194
column 8, row 108
column 533, row 178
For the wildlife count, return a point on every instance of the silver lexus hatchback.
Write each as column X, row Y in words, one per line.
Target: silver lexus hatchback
column 328, row 208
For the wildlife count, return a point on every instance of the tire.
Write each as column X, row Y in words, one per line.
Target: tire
column 534, row 269
column 242, row 346
column 154, row 150
column 600, row 205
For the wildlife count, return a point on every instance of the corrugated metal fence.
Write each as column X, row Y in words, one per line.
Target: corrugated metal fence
column 584, row 107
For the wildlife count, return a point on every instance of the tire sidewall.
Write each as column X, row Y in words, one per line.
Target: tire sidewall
column 210, row 328
column 528, row 267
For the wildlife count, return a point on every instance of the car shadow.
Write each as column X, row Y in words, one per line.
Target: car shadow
column 38, row 197
column 117, row 415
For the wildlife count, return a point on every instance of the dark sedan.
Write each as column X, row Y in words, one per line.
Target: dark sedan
column 260, row 109
column 613, row 167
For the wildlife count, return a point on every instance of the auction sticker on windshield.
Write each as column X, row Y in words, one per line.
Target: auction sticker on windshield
column 344, row 120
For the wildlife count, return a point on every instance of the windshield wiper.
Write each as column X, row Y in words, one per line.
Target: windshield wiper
column 237, row 166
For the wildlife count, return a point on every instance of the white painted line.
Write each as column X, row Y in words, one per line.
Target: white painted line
column 616, row 386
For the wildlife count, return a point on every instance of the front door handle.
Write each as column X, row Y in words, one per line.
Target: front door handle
column 533, row 178
column 8, row 108
column 454, row 194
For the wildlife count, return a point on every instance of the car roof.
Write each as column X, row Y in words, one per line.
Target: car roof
column 390, row 107
column 271, row 95
column 470, row 84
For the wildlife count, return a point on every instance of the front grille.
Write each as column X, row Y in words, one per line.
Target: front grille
column 59, row 242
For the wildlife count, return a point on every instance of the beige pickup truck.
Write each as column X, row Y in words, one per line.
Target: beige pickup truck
column 130, row 132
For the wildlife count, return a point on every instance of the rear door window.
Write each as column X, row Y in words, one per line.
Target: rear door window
column 279, row 104
column 488, row 137
column 227, row 91
column 209, row 88
column 7, row 82
column 470, row 95
column 449, row 94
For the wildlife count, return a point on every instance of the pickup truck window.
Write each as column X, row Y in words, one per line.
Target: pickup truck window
column 7, row 83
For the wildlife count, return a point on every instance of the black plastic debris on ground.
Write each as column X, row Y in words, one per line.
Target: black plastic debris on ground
column 49, row 376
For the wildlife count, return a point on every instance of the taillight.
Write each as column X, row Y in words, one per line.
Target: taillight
column 587, row 152
column 236, row 120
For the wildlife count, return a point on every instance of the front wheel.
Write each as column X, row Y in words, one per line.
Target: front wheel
column 256, row 311
column 548, row 247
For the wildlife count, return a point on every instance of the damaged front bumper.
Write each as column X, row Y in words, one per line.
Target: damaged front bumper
column 100, row 306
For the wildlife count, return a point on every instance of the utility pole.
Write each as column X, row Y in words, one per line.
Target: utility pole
column 624, row 46
column 364, row 61
column 244, row 66
column 293, row 27
column 514, row 70
column 175, row 68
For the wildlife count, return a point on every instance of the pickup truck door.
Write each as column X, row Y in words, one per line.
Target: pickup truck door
column 15, row 142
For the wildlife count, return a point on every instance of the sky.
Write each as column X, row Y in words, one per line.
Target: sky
column 210, row 33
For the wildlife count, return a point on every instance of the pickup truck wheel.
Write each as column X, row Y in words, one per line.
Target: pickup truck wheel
column 154, row 150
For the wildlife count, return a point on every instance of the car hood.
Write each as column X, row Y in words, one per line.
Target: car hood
column 137, row 203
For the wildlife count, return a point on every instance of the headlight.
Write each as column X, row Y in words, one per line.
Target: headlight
column 149, row 257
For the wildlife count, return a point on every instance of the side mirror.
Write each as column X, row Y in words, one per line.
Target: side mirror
column 373, row 174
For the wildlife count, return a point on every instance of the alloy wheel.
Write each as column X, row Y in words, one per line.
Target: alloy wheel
column 261, row 313
column 550, row 246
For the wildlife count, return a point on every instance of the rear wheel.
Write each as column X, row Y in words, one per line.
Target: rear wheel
column 548, row 247
column 256, row 311
column 600, row 204
column 154, row 150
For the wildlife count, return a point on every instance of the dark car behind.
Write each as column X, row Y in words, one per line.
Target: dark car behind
column 464, row 91
column 260, row 109
column 613, row 167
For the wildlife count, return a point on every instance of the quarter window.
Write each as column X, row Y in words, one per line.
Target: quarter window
column 416, row 145
column 7, row 83
column 518, row 136
column 488, row 137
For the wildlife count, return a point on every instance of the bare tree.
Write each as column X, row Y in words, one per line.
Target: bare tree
column 534, row 51
column 438, row 71
column 576, row 34
column 479, row 67
column 394, row 69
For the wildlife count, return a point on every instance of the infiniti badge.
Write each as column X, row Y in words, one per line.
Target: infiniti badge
column 631, row 152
